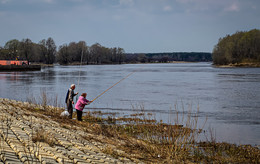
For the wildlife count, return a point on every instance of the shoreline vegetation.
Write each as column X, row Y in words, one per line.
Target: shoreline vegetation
column 31, row 132
column 77, row 63
column 245, row 65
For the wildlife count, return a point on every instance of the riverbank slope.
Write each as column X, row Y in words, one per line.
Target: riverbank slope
column 28, row 136
column 31, row 133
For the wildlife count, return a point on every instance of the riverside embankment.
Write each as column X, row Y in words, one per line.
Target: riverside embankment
column 30, row 137
column 31, row 133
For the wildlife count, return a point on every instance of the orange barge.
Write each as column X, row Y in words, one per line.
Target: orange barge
column 13, row 62
column 17, row 65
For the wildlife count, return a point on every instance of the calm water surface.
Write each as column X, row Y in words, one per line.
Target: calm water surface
column 228, row 97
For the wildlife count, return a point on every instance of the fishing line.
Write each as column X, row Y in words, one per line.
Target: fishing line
column 114, row 85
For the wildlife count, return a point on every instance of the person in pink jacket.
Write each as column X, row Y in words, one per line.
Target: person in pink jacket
column 82, row 101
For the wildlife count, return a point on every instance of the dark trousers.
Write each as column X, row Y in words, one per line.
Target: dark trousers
column 70, row 109
column 79, row 115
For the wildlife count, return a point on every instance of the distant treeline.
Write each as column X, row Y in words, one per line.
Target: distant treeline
column 76, row 52
column 241, row 47
column 95, row 54
column 46, row 52
column 169, row 57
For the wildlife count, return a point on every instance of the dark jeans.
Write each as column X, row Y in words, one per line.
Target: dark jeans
column 79, row 115
column 70, row 109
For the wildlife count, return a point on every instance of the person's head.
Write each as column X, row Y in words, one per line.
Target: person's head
column 84, row 95
column 72, row 86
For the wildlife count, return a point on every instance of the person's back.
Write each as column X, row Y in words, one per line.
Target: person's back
column 69, row 99
column 67, row 96
column 82, row 101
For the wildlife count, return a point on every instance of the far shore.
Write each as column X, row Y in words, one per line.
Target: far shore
column 245, row 65
column 77, row 63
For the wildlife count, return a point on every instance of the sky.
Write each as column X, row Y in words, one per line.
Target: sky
column 137, row 26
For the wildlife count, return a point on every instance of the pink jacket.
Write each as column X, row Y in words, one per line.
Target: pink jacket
column 81, row 103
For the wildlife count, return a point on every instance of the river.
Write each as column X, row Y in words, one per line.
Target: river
column 227, row 98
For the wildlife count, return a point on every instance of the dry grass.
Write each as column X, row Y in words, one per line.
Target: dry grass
column 43, row 136
column 228, row 153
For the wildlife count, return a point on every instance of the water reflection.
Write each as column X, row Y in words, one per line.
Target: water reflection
column 14, row 77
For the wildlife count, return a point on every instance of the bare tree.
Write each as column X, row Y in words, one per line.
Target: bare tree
column 51, row 51
column 26, row 49
column 12, row 47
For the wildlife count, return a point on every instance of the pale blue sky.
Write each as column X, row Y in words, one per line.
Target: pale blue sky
column 135, row 25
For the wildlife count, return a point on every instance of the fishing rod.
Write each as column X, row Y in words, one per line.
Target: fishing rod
column 113, row 85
